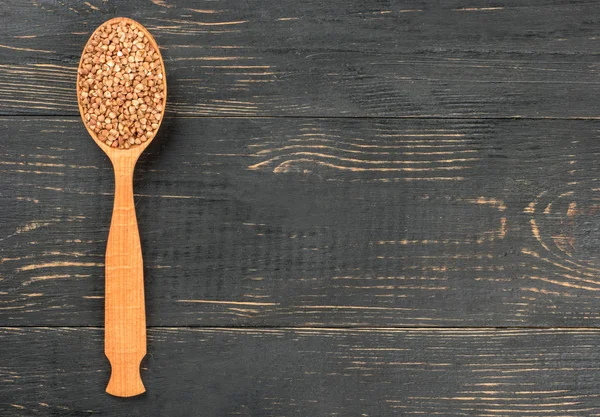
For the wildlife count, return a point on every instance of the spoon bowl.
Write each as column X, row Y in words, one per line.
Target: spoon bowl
column 125, row 317
column 107, row 149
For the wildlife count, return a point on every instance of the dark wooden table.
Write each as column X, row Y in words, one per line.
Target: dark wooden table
column 354, row 208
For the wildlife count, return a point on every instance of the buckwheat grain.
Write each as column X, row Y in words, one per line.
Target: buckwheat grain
column 121, row 85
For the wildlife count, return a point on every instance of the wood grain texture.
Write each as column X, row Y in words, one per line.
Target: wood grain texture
column 309, row 372
column 353, row 209
column 124, row 307
column 457, row 58
column 321, row 222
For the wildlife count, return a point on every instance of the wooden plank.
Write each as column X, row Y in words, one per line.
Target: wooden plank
column 455, row 58
column 300, row 372
column 311, row 222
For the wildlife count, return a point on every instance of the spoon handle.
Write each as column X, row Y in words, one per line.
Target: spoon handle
column 125, row 316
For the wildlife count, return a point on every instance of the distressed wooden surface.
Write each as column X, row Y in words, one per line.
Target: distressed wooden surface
column 310, row 372
column 353, row 208
column 464, row 58
column 321, row 222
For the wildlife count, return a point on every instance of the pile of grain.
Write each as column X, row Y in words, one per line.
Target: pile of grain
column 121, row 85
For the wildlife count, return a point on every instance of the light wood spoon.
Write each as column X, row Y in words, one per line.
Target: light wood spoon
column 125, row 316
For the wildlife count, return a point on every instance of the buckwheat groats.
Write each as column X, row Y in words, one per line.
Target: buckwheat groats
column 121, row 83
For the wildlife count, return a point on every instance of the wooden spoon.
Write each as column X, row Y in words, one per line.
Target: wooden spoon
column 125, row 317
